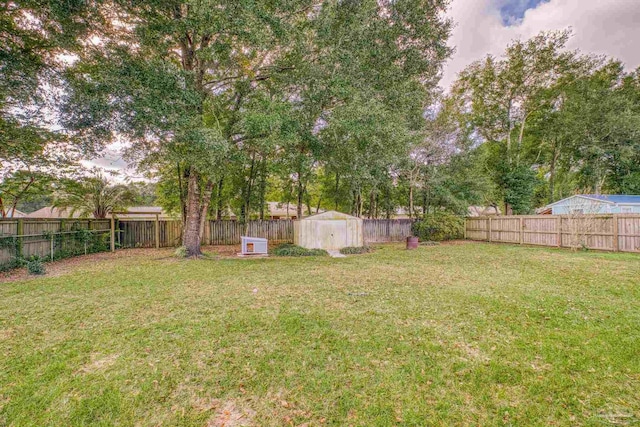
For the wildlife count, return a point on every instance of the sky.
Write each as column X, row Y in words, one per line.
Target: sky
column 603, row 27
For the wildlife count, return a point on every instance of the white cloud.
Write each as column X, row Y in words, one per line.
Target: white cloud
column 111, row 160
column 609, row 27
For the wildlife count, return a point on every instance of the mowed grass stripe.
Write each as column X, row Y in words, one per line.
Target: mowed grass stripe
column 447, row 335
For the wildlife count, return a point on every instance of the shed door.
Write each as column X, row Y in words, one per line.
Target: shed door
column 331, row 234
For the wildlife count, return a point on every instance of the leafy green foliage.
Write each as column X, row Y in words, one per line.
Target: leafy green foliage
column 235, row 97
column 93, row 196
column 34, row 34
column 438, row 227
column 291, row 250
column 35, row 266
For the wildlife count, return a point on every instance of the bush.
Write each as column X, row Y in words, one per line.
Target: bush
column 35, row 265
column 288, row 249
column 180, row 252
column 354, row 250
column 439, row 227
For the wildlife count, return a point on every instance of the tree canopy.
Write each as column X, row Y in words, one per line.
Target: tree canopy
column 320, row 104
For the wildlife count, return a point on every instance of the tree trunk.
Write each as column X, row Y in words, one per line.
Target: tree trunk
column 507, row 209
column 220, row 201
column 183, row 202
column 308, row 201
column 300, row 196
column 372, row 204
column 337, row 190
column 206, row 201
column 263, row 186
column 191, row 235
column 552, row 172
column 246, row 208
column 410, row 201
column 520, row 136
column 387, row 207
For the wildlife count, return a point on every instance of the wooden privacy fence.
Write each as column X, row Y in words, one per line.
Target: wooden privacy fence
column 50, row 238
column 142, row 233
column 618, row 232
column 59, row 238
column 386, row 230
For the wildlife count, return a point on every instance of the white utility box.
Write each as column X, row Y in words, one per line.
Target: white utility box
column 254, row 246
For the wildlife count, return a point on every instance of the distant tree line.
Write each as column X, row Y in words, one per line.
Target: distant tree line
column 321, row 104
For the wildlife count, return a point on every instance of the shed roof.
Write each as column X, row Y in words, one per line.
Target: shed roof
column 329, row 215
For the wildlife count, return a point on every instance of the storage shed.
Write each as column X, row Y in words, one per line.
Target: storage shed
column 328, row 230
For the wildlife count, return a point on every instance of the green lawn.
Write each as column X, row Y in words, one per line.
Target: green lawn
column 472, row 334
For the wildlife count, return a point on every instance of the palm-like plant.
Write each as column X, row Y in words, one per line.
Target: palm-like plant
column 93, row 196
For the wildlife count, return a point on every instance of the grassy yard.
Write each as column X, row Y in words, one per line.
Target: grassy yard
column 468, row 334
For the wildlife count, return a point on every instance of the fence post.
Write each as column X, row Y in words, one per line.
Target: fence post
column 19, row 239
column 89, row 227
column 157, row 231
column 559, row 229
column 465, row 228
column 51, row 248
column 113, row 232
column 489, row 229
column 521, row 230
column 616, row 243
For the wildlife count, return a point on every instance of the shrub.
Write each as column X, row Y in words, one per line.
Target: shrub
column 354, row 250
column 438, row 227
column 181, row 252
column 288, row 249
column 35, row 265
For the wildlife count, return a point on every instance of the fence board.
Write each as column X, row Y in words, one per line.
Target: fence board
column 141, row 233
column 617, row 232
column 36, row 236
column 386, row 230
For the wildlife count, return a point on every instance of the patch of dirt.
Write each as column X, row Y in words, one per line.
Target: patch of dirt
column 63, row 266
column 5, row 334
column 471, row 352
column 231, row 414
column 98, row 364
column 459, row 242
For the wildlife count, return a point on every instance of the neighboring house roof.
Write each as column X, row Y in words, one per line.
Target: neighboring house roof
column 330, row 215
column 145, row 212
column 612, row 199
column 546, row 210
column 483, row 210
column 621, row 199
column 51, row 212
column 15, row 213
column 282, row 210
